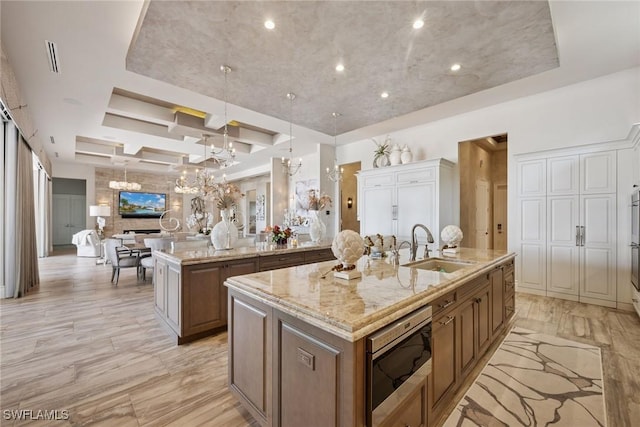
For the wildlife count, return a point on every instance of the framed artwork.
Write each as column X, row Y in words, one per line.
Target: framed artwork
column 260, row 207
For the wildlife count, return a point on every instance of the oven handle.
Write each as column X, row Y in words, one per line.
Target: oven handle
column 402, row 337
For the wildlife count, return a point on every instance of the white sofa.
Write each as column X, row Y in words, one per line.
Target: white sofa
column 88, row 243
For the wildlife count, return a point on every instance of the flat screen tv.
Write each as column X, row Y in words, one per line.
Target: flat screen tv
column 141, row 205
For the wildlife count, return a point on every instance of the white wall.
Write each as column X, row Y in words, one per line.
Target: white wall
column 597, row 110
column 78, row 171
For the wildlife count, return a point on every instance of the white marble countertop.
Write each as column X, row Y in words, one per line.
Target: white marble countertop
column 210, row 254
column 356, row 308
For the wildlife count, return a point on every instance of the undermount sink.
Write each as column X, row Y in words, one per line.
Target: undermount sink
column 439, row 265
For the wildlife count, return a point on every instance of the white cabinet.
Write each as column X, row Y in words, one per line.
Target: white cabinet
column 567, row 211
column 393, row 199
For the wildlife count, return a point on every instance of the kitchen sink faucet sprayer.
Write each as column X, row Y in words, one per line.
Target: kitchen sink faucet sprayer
column 414, row 241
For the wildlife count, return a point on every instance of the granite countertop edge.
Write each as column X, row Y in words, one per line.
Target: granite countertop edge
column 367, row 324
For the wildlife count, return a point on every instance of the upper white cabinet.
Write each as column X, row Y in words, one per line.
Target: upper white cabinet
column 394, row 199
column 567, row 214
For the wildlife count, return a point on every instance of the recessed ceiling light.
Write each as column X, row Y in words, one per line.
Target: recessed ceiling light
column 384, row 95
column 269, row 24
column 418, row 23
column 455, row 67
column 340, row 68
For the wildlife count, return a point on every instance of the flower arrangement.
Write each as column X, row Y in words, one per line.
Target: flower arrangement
column 225, row 194
column 318, row 201
column 278, row 234
column 199, row 219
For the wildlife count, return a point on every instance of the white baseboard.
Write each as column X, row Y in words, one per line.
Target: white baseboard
column 625, row 306
column 531, row 291
column 560, row 295
column 2, row 291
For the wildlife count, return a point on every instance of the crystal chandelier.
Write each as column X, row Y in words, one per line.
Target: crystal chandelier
column 225, row 155
column 203, row 181
column 287, row 164
column 124, row 185
column 335, row 174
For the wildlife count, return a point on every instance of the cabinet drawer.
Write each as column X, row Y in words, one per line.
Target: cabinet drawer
column 415, row 176
column 510, row 306
column 378, row 180
column 509, row 282
column 318, row 256
column 444, row 302
column 272, row 262
column 473, row 286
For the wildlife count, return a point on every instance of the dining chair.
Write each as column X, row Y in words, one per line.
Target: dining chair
column 155, row 244
column 120, row 257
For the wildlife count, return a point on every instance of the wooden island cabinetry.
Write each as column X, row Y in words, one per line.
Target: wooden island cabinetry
column 297, row 341
column 189, row 293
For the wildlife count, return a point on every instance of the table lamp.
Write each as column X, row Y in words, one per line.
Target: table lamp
column 100, row 211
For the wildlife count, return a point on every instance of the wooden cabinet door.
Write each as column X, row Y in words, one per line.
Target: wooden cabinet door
column 202, row 298
column 376, row 215
column 563, row 175
column 532, row 235
column 411, row 412
column 483, row 304
column 416, row 204
column 532, row 178
column 598, row 252
column 563, row 245
column 444, row 343
column 497, row 300
column 467, row 315
column 598, row 172
column 237, row 268
column 250, row 354
column 309, row 383
column 160, row 286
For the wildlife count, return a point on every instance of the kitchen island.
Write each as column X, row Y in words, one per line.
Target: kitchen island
column 297, row 338
column 189, row 297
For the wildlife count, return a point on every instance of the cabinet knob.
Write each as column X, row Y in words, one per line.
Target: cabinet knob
column 478, row 300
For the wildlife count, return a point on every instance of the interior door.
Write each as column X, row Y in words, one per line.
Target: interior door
column 68, row 217
column 483, row 216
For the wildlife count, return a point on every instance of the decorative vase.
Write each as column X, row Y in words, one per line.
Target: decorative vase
column 224, row 234
column 406, row 155
column 317, row 229
column 381, row 160
column 395, row 155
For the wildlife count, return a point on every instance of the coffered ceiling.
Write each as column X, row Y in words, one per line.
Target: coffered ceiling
column 140, row 81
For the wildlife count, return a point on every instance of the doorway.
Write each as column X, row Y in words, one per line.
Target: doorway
column 483, row 192
column 69, row 209
column 349, row 198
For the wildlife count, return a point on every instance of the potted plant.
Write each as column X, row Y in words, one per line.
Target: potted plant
column 381, row 153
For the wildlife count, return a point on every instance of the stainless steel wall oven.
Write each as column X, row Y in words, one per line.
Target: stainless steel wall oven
column 394, row 355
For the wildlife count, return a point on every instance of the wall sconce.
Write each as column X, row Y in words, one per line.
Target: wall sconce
column 349, row 202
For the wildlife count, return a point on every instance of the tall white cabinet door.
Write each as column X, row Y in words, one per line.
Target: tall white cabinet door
column 598, row 172
column 563, row 250
column 598, row 250
column 532, row 178
column 377, row 211
column 531, row 262
column 416, row 205
column 563, row 176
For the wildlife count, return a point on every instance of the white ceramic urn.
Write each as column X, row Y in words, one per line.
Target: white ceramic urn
column 406, row 156
column 395, row 155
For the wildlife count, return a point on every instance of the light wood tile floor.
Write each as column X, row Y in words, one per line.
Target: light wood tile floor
column 97, row 351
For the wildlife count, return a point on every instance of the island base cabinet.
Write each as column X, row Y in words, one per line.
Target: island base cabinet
column 166, row 294
column 444, row 343
column 308, row 380
column 250, row 355
column 289, row 373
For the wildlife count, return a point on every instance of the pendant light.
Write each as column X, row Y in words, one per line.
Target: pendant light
column 287, row 164
column 335, row 174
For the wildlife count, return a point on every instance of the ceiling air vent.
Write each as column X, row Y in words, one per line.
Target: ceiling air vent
column 52, row 56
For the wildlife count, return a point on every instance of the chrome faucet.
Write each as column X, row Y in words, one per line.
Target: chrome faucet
column 395, row 252
column 414, row 242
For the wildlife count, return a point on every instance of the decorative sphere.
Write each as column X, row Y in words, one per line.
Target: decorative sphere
column 348, row 247
column 451, row 235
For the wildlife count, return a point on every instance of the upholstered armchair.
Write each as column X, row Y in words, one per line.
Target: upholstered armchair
column 88, row 243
